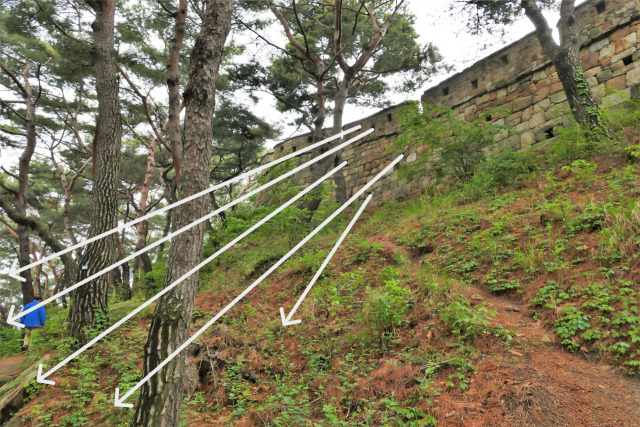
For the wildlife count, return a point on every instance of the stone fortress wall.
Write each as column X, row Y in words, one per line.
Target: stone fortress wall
column 517, row 77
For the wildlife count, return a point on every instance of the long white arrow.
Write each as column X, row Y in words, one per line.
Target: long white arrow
column 41, row 378
column 13, row 320
column 286, row 320
column 119, row 401
column 14, row 271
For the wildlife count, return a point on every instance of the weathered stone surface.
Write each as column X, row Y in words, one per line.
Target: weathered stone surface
column 633, row 76
column 618, row 83
column 603, row 76
column 607, row 51
column 527, row 139
column 598, row 45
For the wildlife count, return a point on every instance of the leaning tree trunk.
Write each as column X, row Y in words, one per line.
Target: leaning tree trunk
column 159, row 402
column 584, row 108
column 338, row 114
column 23, row 188
column 565, row 58
column 142, row 228
column 320, row 168
column 173, row 85
column 89, row 305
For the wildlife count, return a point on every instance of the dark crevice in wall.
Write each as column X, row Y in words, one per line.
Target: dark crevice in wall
column 549, row 133
column 627, row 60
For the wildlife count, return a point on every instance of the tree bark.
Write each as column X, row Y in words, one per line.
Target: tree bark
column 142, row 228
column 173, row 84
column 20, row 201
column 318, row 169
column 338, row 114
column 565, row 58
column 23, row 188
column 125, row 288
column 90, row 302
column 159, row 401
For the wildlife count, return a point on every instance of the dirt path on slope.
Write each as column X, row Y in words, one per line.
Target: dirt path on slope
column 567, row 388
column 536, row 382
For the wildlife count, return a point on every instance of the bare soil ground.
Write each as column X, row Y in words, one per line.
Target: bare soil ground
column 539, row 383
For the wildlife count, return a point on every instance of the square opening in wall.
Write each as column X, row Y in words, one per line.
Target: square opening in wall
column 390, row 117
column 309, row 138
column 627, row 60
column 505, row 59
column 281, row 148
column 293, row 149
column 445, row 91
column 488, row 118
column 549, row 133
column 601, row 7
column 474, row 83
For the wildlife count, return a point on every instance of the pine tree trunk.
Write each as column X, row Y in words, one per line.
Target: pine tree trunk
column 173, row 85
column 338, row 114
column 584, row 108
column 565, row 58
column 159, row 401
column 142, row 228
column 89, row 303
column 23, row 189
column 21, row 201
column 318, row 169
column 125, row 290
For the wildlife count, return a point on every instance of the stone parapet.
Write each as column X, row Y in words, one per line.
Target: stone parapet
column 518, row 78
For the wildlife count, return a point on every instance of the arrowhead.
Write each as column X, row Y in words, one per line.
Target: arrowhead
column 13, row 273
column 119, row 403
column 12, row 320
column 41, row 378
column 286, row 321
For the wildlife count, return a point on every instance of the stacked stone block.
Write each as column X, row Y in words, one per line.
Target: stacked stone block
column 518, row 78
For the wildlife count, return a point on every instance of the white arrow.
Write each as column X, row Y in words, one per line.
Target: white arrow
column 120, row 401
column 14, row 272
column 190, row 272
column 12, row 321
column 186, row 227
column 41, row 378
column 286, row 321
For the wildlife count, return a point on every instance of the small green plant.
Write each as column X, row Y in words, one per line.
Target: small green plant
column 465, row 320
column 501, row 170
column 621, row 234
column 551, row 295
column 310, row 262
column 572, row 322
column 387, row 307
column 366, row 250
column 456, row 146
column 583, row 170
